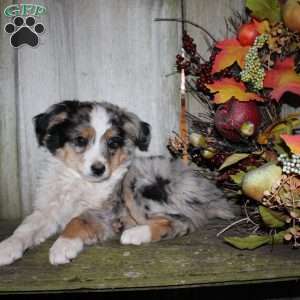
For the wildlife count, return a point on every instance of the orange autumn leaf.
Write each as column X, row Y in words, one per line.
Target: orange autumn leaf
column 231, row 51
column 293, row 142
column 228, row 88
column 282, row 78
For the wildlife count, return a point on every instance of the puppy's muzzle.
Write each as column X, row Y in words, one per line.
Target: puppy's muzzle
column 98, row 169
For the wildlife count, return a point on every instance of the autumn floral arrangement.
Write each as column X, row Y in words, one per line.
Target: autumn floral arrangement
column 242, row 139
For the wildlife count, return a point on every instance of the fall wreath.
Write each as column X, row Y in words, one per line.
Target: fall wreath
column 243, row 140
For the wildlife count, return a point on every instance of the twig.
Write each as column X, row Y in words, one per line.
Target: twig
column 201, row 96
column 255, row 228
column 171, row 73
column 191, row 90
column 247, row 215
column 231, row 225
column 188, row 22
column 294, row 220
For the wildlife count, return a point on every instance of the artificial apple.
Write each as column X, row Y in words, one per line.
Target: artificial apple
column 247, row 34
column 235, row 119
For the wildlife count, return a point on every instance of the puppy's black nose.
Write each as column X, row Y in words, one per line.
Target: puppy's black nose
column 98, row 168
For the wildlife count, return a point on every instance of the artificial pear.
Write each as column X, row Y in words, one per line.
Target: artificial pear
column 291, row 15
column 259, row 180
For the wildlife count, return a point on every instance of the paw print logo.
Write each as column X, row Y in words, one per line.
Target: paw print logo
column 24, row 31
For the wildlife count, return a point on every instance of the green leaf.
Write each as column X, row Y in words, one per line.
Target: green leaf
column 233, row 159
column 265, row 9
column 238, row 177
column 271, row 218
column 254, row 241
column 279, row 149
column 249, row 242
column 277, row 238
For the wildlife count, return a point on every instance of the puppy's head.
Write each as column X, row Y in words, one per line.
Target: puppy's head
column 92, row 138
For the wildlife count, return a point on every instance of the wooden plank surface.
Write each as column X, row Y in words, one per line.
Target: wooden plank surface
column 10, row 205
column 199, row 259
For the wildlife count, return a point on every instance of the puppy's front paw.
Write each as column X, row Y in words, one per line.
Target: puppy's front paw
column 11, row 249
column 136, row 236
column 64, row 249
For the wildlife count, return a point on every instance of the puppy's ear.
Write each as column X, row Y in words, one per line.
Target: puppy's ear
column 136, row 130
column 41, row 123
column 55, row 115
column 144, row 136
column 139, row 131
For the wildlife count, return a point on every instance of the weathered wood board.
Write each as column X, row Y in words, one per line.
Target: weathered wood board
column 94, row 50
column 10, row 205
column 211, row 15
column 91, row 50
column 199, row 259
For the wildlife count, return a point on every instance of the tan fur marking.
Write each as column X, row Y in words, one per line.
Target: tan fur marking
column 70, row 157
column 134, row 211
column 117, row 159
column 159, row 227
column 108, row 134
column 57, row 119
column 88, row 133
column 78, row 228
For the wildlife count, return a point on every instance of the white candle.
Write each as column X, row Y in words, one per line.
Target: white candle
column 182, row 85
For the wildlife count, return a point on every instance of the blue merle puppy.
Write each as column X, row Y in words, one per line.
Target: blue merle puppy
column 95, row 187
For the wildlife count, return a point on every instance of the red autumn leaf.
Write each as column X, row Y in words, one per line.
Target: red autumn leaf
column 283, row 78
column 231, row 51
column 228, row 88
column 293, row 142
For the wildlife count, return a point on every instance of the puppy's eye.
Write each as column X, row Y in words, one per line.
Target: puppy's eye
column 114, row 142
column 80, row 141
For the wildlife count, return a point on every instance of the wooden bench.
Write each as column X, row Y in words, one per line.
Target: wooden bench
column 197, row 260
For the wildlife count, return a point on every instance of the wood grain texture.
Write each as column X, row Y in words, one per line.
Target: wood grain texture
column 97, row 50
column 199, row 259
column 211, row 15
column 10, row 205
column 93, row 50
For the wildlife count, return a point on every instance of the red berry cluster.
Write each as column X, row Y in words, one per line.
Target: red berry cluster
column 204, row 77
column 188, row 44
column 204, row 74
column 192, row 65
column 190, row 49
column 184, row 64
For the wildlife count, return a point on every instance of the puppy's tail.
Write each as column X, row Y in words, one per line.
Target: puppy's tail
column 220, row 208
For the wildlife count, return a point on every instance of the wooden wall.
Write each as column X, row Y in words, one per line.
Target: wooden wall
column 92, row 50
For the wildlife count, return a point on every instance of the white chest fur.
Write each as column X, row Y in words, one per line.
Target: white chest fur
column 64, row 194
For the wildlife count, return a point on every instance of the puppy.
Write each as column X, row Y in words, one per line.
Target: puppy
column 94, row 188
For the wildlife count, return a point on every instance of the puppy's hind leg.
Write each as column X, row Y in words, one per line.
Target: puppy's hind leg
column 157, row 228
column 86, row 229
